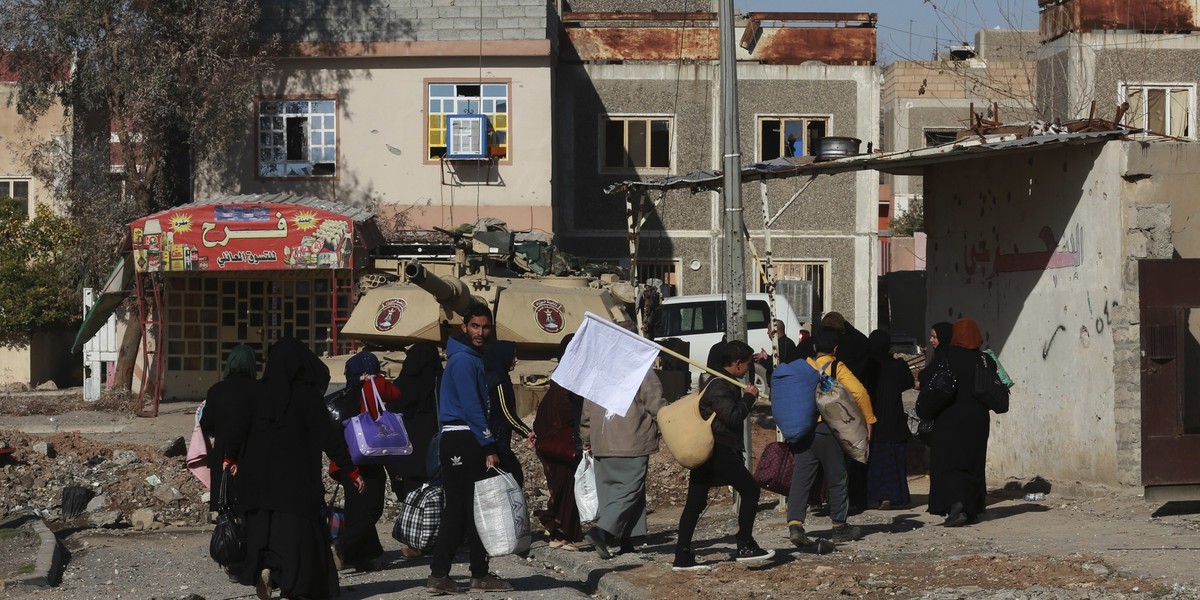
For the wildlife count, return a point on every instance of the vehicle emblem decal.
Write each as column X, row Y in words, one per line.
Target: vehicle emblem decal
column 548, row 314
column 390, row 313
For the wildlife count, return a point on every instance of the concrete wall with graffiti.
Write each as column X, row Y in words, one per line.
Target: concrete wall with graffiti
column 1032, row 247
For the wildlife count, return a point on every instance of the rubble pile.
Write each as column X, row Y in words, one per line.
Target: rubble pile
column 123, row 479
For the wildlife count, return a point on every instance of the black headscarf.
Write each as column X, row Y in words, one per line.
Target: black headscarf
column 879, row 351
column 418, row 377
column 290, row 364
column 944, row 331
column 497, row 361
column 879, row 345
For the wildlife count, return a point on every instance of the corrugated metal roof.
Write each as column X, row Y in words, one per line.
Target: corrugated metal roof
column 908, row 162
column 353, row 213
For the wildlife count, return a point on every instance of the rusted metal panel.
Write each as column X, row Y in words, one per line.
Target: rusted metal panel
column 643, row 43
column 781, row 46
column 830, row 45
column 815, row 17
column 1082, row 16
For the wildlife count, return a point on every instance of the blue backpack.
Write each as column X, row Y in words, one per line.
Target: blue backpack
column 794, row 399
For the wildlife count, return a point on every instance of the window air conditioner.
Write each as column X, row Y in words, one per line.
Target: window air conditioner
column 466, row 136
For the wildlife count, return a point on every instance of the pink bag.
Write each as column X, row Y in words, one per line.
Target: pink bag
column 198, row 449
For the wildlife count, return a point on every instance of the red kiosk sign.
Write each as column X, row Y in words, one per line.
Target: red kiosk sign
column 242, row 237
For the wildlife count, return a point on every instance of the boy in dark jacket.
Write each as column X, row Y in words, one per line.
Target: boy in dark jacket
column 726, row 466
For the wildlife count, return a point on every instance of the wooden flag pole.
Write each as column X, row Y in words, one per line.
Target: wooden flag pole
column 709, row 371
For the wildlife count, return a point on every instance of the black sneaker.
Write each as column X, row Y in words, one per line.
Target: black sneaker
column 599, row 541
column 686, row 561
column 749, row 552
column 845, row 533
column 797, row 537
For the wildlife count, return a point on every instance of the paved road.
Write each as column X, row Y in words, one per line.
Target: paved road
column 173, row 563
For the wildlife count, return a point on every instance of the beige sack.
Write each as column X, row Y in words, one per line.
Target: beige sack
column 688, row 437
column 841, row 413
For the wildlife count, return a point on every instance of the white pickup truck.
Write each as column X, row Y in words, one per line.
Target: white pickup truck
column 700, row 321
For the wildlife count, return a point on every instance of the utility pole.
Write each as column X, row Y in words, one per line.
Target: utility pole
column 735, row 241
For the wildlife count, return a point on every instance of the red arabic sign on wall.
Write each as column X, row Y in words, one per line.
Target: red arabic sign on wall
column 240, row 237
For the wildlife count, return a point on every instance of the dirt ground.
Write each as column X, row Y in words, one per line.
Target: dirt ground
column 1080, row 542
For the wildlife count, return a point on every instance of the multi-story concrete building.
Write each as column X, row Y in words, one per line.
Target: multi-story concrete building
column 364, row 104
column 637, row 96
column 1097, row 55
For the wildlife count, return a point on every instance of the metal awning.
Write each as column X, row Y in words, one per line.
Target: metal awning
column 908, row 162
column 114, row 292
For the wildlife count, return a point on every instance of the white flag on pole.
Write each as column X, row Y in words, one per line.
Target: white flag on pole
column 605, row 363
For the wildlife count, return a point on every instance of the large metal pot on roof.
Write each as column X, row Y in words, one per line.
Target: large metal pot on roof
column 831, row 147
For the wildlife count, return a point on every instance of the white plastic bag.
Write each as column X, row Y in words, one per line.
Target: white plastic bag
column 585, row 488
column 501, row 516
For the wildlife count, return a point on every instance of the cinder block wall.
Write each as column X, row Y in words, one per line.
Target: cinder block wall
column 378, row 21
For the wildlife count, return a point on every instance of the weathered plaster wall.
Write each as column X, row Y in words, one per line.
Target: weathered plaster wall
column 381, row 142
column 1031, row 247
column 1161, row 172
column 17, row 138
column 14, row 364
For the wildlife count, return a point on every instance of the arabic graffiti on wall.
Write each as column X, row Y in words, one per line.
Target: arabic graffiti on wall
column 238, row 237
column 1058, row 254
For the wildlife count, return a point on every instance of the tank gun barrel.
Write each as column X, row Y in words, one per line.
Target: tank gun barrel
column 450, row 292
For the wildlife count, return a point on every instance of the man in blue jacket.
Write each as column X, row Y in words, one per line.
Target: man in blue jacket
column 468, row 449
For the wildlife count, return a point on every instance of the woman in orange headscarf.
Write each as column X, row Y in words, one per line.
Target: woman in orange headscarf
column 958, row 453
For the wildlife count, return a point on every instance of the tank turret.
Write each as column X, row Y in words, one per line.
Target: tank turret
column 451, row 293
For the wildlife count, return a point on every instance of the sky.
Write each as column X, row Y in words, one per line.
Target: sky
column 932, row 23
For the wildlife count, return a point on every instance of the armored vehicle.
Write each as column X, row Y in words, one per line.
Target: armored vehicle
column 494, row 267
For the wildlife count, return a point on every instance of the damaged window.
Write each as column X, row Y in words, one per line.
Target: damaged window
column 790, row 136
column 937, row 137
column 489, row 99
column 636, row 143
column 816, row 272
column 297, row 138
column 1164, row 109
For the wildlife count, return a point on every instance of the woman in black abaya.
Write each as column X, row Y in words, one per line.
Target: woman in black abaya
column 887, row 379
column 287, row 541
column 418, row 383
column 958, row 454
column 939, row 346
